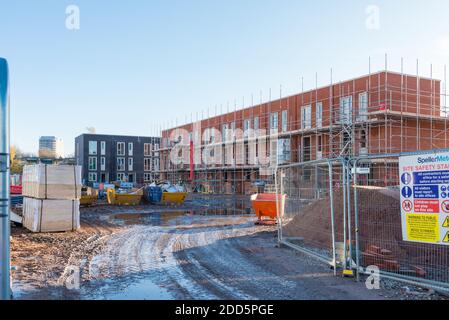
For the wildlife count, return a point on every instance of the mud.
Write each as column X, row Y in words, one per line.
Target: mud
column 187, row 252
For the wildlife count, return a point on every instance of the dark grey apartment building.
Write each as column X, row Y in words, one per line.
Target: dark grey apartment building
column 109, row 158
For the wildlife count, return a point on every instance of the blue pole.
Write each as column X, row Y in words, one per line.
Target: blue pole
column 5, row 289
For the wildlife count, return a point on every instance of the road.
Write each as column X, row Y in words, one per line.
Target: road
column 181, row 255
column 210, row 257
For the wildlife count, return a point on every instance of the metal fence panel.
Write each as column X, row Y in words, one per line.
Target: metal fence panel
column 347, row 212
column 377, row 214
column 313, row 217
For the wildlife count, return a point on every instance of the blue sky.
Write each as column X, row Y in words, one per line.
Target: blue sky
column 138, row 65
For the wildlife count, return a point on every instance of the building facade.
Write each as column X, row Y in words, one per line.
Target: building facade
column 110, row 158
column 51, row 147
column 380, row 113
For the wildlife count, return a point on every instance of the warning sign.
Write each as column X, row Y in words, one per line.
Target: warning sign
column 427, row 206
column 446, row 222
column 407, row 206
column 424, row 189
column 445, row 206
column 446, row 238
column 423, row 228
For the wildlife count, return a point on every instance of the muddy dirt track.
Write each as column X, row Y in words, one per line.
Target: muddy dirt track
column 137, row 253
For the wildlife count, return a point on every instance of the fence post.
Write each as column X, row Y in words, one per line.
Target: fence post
column 345, row 251
column 356, row 222
column 331, row 184
column 348, row 195
column 277, row 205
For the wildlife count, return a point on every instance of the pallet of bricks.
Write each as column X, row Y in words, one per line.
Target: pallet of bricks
column 51, row 198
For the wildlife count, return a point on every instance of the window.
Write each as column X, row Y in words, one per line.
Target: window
column 274, row 127
column 147, row 149
column 121, row 177
column 130, row 164
column 346, row 110
column 212, row 135
column 363, row 107
column 363, row 139
column 284, row 121
column 120, row 148
column 206, row 136
column 319, row 114
column 306, row 117
column 224, row 131
column 319, row 147
column 147, row 164
column 247, row 125
column 92, row 163
column 93, row 148
column 92, row 177
column 103, row 148
column 147, row 177
column 306, row 149
column 103, row 164
column 156, row 164
column 320, row 144
column 130, row 149
column 209, row 135
column 156, row 148
column 121, row 164
column 256, row 123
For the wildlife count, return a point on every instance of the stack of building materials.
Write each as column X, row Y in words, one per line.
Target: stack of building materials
column 51, row 198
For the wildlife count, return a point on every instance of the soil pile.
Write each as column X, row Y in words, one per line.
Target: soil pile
column 379, row 225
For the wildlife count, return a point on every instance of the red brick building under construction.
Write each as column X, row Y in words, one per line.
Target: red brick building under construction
column 381, row 113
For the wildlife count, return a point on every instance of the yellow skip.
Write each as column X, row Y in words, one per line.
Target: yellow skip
column 348, row 273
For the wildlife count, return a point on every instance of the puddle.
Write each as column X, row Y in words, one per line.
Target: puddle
column 173, row 218
column 142, row 289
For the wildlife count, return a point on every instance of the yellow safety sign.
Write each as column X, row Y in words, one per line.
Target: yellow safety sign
column 446, row 238
column 446, row 222
column 423, row 228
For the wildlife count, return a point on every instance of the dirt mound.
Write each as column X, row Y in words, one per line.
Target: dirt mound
column 379, row 225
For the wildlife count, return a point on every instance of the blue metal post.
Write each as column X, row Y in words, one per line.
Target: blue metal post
column 5, row 286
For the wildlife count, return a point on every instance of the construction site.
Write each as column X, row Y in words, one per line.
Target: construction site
column 332, row 156
column 382, row 113
column 298, row 197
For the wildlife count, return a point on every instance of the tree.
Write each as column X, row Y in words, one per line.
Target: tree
column 16, row 163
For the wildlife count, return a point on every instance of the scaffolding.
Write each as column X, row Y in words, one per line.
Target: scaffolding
column 383, row 112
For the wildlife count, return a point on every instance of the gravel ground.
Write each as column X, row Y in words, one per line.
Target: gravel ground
column 165, row 253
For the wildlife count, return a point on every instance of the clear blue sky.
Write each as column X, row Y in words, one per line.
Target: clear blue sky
column 136, row 65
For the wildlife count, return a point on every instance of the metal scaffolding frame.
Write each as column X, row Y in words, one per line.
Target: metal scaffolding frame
column 403, row 113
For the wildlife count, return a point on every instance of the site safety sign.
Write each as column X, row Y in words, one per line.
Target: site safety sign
column 424, row 183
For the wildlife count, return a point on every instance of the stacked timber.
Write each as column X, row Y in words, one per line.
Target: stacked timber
column 51, row 198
